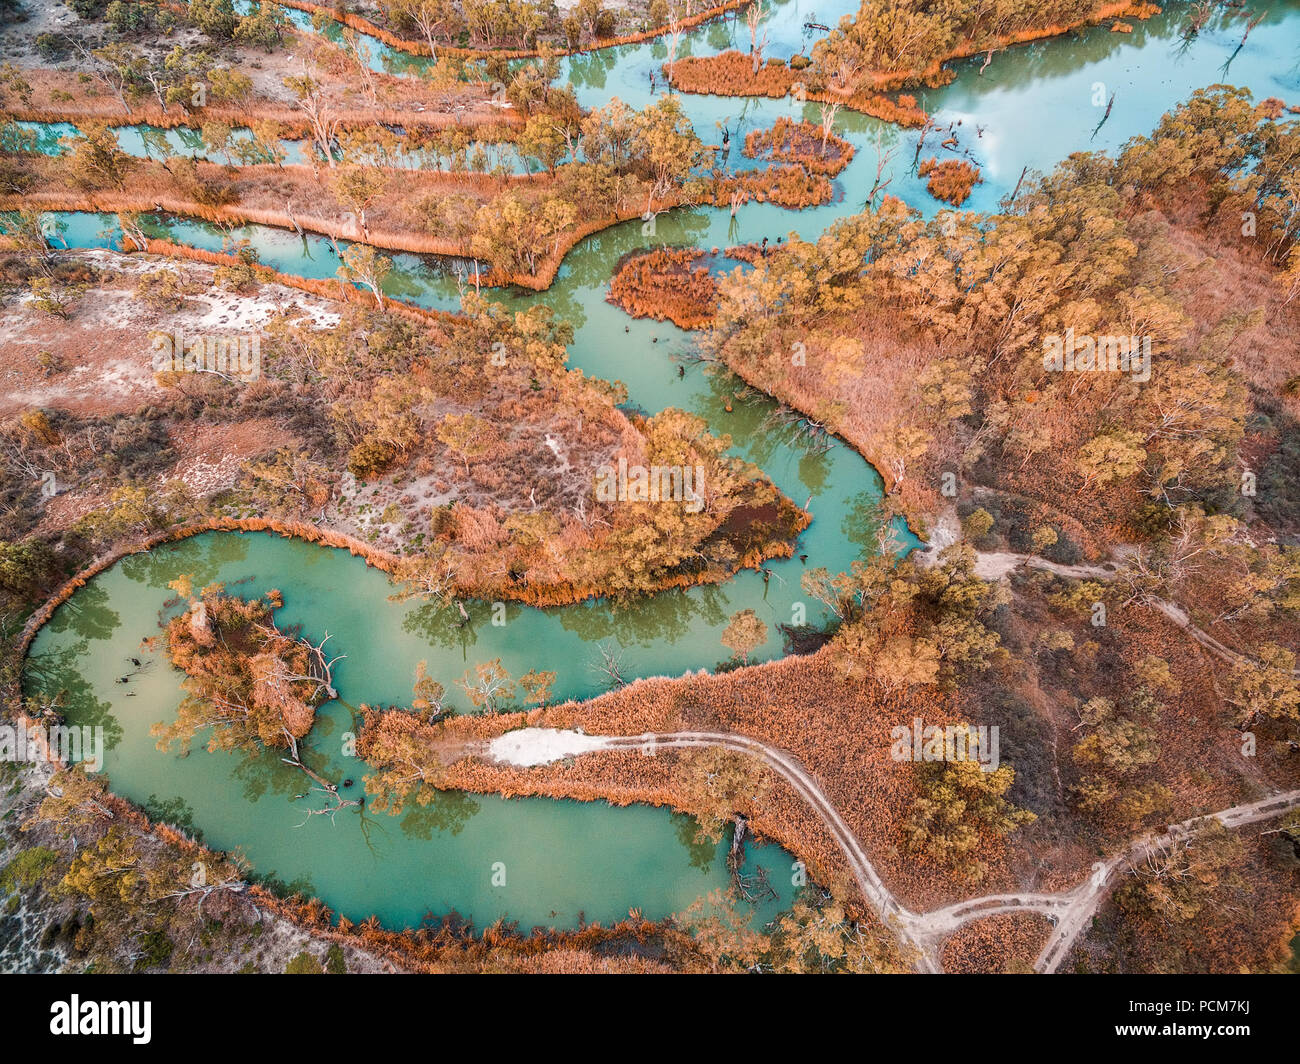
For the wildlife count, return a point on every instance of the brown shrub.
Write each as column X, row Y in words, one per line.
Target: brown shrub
column 950, row 180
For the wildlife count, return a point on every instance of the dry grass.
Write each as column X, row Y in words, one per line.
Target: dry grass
column 801, row 143
column 1008, row 942
column 664, row 284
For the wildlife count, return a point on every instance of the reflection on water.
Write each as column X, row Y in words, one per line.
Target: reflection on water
column 564, row 858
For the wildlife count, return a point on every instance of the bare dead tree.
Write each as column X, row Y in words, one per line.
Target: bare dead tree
column 920, row 142
column 321, row 120
column 112, row 67
column 757, row 42
column 361, row 56
column 829, row 109
column 878, row 186
column 610, row 665
column 674, row 38
column 205, row 891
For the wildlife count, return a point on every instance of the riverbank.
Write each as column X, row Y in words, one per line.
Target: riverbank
column 733, row 73
column 422, row 48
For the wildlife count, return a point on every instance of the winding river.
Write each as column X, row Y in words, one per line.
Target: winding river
column 538, row 861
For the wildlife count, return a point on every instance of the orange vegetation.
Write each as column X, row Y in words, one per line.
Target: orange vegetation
column 950, row 180
column 732, row 74
column 58, row 96
column 934, row 73
column 1239, row 917
column 665, row 285
column 792, row 187
column 485, row 125
column 1008, row 942
column 257, row 194
column 455, row 946
column 412, row 47
column 845, row 744
column 802, row 143
column 246, row 681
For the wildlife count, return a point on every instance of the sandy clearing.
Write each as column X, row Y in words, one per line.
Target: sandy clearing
column 103, row 355
column 540, row 746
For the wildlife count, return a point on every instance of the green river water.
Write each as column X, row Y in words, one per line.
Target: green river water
column 567, row 861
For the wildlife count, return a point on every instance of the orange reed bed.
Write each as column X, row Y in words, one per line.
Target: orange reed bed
column 950, row 180
column 732, row 74
column 664, row 284
column 791, row 187
column 801, row 143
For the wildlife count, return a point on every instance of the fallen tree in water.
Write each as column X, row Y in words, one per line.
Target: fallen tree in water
column 253, row 685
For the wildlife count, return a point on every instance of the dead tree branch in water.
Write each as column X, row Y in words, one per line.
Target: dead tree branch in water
column 610, row 665
column 798, row 430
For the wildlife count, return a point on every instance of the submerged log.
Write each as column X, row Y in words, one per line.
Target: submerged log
column 737, row 855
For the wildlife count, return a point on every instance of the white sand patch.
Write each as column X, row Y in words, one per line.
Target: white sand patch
column 204, row 478
column 221, row 309
column 540, row 746
column 946, row 532
column 250, row 312
column 556, row 449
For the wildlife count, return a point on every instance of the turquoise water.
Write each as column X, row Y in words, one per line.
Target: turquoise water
column 561, row 860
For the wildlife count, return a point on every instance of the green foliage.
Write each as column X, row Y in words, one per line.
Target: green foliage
column 958, row 806
column 977, row 524
column 157, row 949
column 25, row 565
column 1119, row 744
column 95, row 161
column 744, row 634
column 369, row 458
column 1178, row 881
column 1265, row 689
column 216, row 18
column 303, row 964
column 29, row 868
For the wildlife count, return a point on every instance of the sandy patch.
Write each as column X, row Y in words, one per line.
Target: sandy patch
column 100, row 359
column 213, row 458
column 540, row 746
